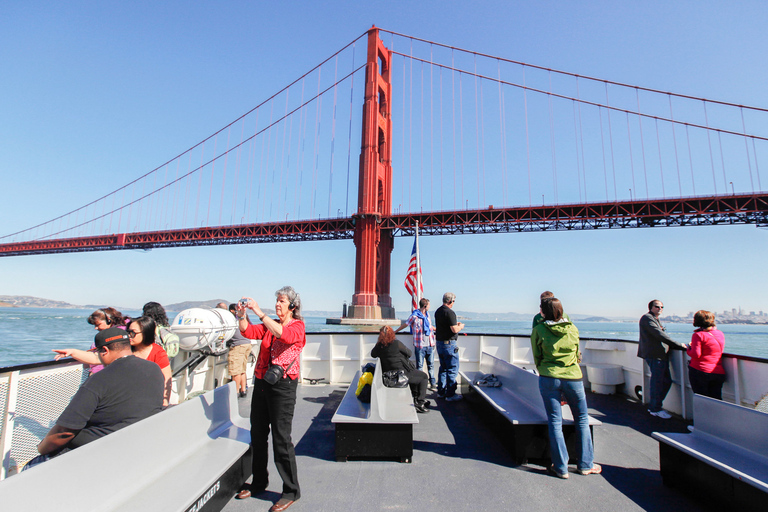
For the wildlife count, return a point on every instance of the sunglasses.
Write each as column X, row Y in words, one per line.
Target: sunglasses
column 102, row 349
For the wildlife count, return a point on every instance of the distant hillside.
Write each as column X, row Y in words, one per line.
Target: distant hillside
column 595, row 319
column 25, row 301
column 181, row 306
column 37, row 302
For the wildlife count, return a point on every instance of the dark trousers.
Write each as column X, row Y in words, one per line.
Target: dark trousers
column 418, row 380
column 706, row 384
column 661, row 381
column 272, row 406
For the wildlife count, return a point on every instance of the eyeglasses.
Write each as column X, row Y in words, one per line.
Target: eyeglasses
column 133, row 334
column 660, row 307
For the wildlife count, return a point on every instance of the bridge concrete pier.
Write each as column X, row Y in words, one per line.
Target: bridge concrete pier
column 392, row 322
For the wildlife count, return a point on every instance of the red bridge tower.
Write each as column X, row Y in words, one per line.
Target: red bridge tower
column 374, row 244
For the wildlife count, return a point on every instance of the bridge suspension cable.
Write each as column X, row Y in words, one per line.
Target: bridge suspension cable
column 477, row 133
column 166, row 197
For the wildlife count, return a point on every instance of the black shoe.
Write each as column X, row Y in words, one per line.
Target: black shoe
column 243, row 394
column 423, row 403
column 421, row 409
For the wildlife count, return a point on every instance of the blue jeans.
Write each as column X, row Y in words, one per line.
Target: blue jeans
column 573, row 390
column 427, row 354
column 449, row 368
column 661, row 381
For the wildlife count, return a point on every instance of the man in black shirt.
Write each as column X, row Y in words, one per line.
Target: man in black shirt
column 446, row 333
column 127, row 390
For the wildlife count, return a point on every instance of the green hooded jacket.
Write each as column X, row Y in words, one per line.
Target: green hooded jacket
column 556, row 349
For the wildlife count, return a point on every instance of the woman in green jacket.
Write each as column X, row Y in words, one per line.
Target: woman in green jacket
column 555, row 344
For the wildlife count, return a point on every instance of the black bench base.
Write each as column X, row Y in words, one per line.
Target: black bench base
column 374, row 441
column 706, row 483
column 526, row 443
column 220, row 493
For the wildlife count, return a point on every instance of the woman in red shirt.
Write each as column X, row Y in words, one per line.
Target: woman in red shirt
column 272, row 405
column 142, row 333
column 705, row 371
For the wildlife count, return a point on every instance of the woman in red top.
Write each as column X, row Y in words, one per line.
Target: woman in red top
column 142, row 333
column 282, row 341
column 705, row 371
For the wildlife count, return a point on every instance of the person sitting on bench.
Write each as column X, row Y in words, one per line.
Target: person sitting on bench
column 126, row 391
column 393, row 355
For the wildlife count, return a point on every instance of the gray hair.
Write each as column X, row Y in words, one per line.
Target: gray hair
column 448, row 297
column 293, row 297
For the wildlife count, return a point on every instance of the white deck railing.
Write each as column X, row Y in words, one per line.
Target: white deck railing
column 33, row 396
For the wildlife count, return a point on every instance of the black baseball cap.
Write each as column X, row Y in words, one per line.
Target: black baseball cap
column 108, row 336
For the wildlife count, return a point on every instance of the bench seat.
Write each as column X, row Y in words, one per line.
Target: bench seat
column 193, row 456
column 724, row 459
column 381, row 429
column 515, row 410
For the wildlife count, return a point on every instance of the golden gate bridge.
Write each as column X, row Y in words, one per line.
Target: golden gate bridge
column 451, row 140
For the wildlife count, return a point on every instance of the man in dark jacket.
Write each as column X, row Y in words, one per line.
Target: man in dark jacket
column 652, row 340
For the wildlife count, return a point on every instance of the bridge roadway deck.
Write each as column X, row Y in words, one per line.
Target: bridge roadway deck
column 459, row 464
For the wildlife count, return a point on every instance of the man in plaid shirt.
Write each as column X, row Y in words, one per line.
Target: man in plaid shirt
column 423, row 339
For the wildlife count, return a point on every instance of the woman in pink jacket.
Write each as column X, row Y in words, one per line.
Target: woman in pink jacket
column 705, row 371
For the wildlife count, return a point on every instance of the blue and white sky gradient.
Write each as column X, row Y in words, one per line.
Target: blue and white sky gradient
column 89, row 87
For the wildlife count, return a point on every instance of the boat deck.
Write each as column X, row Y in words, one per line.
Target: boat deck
column 460, row 464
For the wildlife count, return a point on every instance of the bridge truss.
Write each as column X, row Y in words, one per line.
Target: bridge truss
column 695, row 211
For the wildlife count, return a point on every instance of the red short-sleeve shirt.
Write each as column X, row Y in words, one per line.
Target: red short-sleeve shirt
column 158, row 356
column 282, row 351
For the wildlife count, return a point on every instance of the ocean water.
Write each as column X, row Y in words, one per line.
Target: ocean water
column 28, row 335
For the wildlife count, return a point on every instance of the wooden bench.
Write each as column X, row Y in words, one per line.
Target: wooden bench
column 724, row 459
column 379, row 430
column 516, row 410
column 191, row 457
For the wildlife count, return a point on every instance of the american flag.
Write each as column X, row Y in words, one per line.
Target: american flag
column 413, row 283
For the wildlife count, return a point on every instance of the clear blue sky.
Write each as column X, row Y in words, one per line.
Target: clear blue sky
column 86, row 84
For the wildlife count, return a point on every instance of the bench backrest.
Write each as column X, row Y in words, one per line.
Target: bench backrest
column 733, row 423
column 378, row 393
column 150, row 448
column 382, row 397
column 522, row 383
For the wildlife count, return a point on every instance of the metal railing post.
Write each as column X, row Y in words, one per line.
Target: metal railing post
column 9, row 415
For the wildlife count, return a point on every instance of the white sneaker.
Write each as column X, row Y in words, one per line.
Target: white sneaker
column 660, row 414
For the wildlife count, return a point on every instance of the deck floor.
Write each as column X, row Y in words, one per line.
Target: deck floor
column 459, row 464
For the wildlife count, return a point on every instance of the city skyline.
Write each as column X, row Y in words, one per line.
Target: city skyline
column 90, row 85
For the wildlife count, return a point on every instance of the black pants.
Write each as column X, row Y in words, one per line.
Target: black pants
column 418, row 380
column 272, row 406
column 706, row 384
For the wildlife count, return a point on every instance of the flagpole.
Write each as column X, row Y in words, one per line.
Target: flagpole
column 418, row 267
